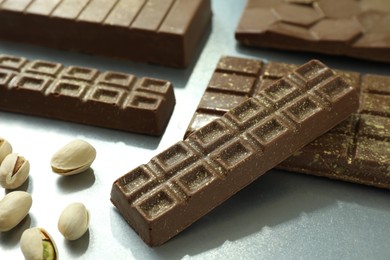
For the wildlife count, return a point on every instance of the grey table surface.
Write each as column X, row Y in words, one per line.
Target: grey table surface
column 281, row 215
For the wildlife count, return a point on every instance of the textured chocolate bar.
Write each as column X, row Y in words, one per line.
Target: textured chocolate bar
column 357, row 28
column 186, row 181
column 166, row 32
column 85, row 95
column 358, row 150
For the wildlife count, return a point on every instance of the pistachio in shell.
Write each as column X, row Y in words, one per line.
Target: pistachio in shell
column 75, row 157
column 14, row 171
column 74, row 221
column 14, row 207
column 37, row 244
column 5, row 148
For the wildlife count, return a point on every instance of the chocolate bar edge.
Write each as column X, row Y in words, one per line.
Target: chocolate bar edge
column 256, row 41
column 183, row 49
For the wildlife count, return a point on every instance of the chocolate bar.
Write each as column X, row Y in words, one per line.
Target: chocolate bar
column 166, row 32
column 358, row 150
column 85, row 95
column 190, row 178
column 349, row 27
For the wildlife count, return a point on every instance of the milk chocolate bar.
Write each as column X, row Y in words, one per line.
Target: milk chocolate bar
column 190, row 178
column 85, row 95
column 356, row 28
column 358, row 150
column 166, row 32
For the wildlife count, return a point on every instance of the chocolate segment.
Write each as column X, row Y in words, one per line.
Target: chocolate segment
column 349, row 27
column 186, row 181
column 166, row 32
column 358, row 150
column 85, row 95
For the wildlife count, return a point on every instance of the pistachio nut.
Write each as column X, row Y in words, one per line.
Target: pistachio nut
column 37, row 244
column 14, row 207
column 75, row 157
column 5, row 148
column 74, row 221
column 14, row 171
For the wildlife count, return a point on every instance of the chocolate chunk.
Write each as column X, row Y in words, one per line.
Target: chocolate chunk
column 85, row 95
column 166, row 32
column 186, row 181
column 348, row 27
column 358, row 150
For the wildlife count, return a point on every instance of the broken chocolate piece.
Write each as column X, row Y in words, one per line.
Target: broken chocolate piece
column 85, row 95
column 166, row 32
column 349, row 27
column 358, row 150
column 186, row 181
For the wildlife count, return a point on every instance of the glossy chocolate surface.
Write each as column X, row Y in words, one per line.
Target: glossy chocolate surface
column 190, row 178
column 85, row 95
column 358, row 150
column 356, row 28
column 166, row 32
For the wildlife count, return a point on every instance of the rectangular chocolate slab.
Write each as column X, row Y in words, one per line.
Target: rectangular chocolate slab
column 358, row 150
column 190, row 178
column 166, row 32
column 356, row 28
column 85, row 95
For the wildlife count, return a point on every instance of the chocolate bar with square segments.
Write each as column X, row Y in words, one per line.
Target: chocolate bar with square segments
column 356, row 150
column 166, row 32
column 84, row 95
column 349, row 27
column 186, row 181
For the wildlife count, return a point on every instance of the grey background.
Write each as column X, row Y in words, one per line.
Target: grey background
column 280, row 216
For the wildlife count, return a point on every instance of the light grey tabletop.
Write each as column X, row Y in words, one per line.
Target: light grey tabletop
column 281, row 215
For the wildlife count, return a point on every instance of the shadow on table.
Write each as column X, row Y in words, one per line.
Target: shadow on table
column 274, row 199
column 77, row 182
column 11, row 238
column 103, row 134
column 77, row 248
column 333, row 61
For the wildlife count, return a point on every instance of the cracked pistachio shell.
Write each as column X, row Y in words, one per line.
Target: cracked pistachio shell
column 14, row 207
column 37, row 244
column 75, row 157
column 14, row 171
column 5, row 148
column 74, row 221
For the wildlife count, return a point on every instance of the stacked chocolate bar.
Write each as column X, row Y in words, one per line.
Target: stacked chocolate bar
column 357, row 150
column 184, row 182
